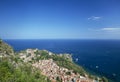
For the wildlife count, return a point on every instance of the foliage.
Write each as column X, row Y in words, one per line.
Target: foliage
column 104, row 79
column 61, row 61
column 5, row 48
column 43, row 55
column 58, row 79
column 68, row 73
column 24, row 73
column 13, row 69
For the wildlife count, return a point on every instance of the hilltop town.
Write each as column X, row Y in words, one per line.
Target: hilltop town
column 42, row 66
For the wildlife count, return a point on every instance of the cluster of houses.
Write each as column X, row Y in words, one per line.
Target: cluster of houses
column 54, row 72
column 28, row 55
column 50, row 69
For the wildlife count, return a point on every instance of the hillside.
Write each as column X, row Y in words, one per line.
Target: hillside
column 33, row 65
column 5, row 49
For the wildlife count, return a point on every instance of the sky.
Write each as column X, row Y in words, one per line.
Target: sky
column 60, row 19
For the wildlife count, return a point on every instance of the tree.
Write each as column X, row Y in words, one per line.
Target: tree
column 58, row 79
column 104, row 79
column 68, row 73
column 0, row 41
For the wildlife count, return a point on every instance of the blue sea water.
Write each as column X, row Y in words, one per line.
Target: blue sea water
column 99, row 56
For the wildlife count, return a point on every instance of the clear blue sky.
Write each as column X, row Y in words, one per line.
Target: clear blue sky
column 60, row 19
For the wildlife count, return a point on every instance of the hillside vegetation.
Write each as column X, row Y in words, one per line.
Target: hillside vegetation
column 5, row 49
column 14, row 70
column 33, row 65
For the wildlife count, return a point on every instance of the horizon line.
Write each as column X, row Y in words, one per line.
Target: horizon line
column 64, row 39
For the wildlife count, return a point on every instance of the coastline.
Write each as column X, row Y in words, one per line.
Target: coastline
column 57, row 47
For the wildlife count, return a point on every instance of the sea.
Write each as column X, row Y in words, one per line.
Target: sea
column 100, row 57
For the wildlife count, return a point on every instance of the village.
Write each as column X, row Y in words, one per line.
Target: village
column 54, row 72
